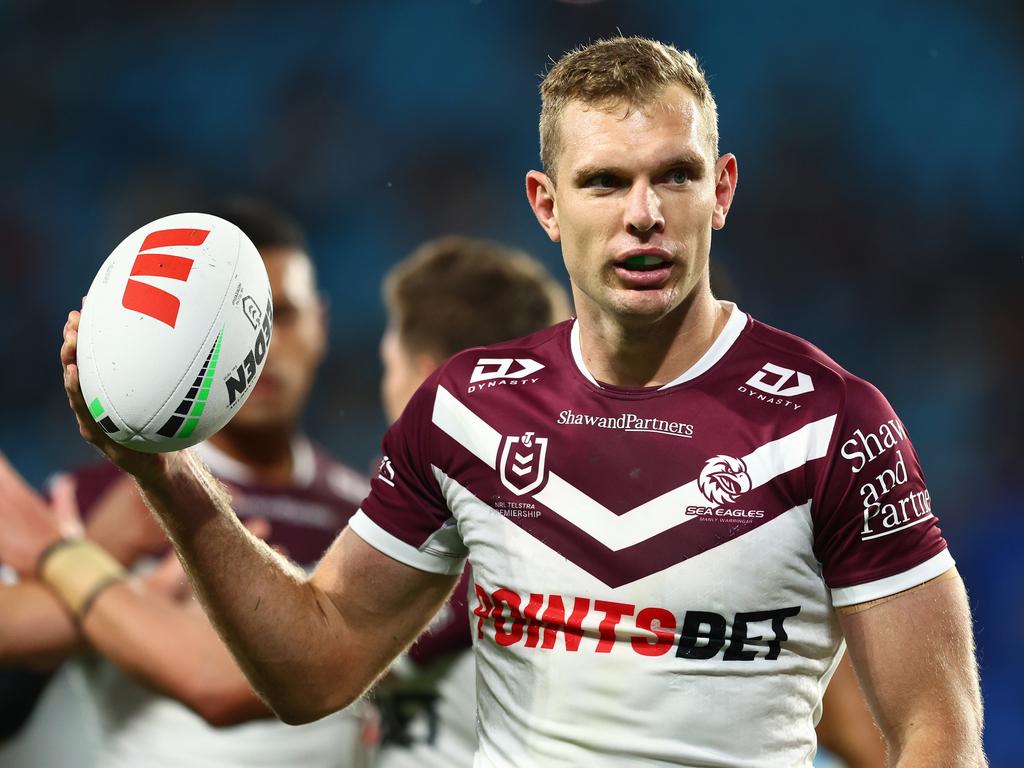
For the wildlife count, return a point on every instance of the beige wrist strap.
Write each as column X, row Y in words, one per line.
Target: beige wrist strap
column 78, row 571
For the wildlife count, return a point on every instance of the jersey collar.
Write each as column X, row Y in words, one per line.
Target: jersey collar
column 232, row 470
column 726, row 338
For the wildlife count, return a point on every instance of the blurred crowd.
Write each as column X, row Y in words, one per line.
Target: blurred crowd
column 878, row 212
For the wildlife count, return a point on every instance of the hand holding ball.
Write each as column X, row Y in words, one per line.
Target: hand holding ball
column 174, row 332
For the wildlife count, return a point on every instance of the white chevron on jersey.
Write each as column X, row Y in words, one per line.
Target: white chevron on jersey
column 466, row 428
column 651, row 518
column 461, row 498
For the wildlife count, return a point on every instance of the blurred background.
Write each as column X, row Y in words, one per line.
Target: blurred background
column 879, row 209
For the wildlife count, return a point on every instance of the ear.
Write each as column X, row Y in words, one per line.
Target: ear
column 540, row 191
column 726, row 177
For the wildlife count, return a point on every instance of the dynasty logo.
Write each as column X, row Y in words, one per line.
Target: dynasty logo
column 775, row 385
column 503, row 371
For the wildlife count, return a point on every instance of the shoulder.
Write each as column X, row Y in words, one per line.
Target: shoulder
column 509, row 361
column 794, row 366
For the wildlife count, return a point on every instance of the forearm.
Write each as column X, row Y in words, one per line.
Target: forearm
column 281, row 630
column 172, row 648
column 936, row 745
column 35, row 628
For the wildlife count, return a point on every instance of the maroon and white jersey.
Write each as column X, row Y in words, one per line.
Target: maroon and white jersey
column 655, row 569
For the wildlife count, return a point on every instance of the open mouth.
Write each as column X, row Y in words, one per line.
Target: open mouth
column 644, row 270
column 646, row 262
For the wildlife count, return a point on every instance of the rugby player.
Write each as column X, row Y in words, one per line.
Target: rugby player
column 169, row 683
column 676, row 516
column 449, row 295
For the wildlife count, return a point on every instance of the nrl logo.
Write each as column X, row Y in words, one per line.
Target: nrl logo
column 524, row 463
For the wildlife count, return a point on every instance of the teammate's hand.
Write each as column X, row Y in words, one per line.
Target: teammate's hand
column 133, row 462
column 28, row 525
column 120, row 522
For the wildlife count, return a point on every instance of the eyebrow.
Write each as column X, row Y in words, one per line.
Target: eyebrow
column 685, row 160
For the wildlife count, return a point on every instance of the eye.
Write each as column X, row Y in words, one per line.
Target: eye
column 679, row 176
column 602, row 181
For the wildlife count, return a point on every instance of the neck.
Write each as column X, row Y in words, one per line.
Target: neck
column 267, row 452
column 649, row 354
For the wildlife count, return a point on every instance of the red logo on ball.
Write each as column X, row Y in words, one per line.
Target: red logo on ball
column 155, row 302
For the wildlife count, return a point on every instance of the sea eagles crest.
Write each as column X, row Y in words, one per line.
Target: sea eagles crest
column 523, row 463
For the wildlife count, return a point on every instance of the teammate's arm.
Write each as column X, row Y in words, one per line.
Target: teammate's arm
column 846, row 728
column 36, row 629
column 309, row 646
column 166, row 645
column 173, row 648
column 914, row 655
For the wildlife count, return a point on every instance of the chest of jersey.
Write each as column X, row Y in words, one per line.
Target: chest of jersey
column 656, row 525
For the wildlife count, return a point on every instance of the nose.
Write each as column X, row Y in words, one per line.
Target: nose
column 643, row 213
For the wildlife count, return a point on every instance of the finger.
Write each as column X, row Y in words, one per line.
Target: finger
column 87, row 426
column 69, row 348
column 72, row 323
column 65, row 505
column 73, row 387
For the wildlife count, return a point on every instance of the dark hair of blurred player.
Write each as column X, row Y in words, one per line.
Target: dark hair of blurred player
column 454, row 293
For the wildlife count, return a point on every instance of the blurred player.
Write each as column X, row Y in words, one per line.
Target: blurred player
column 451, row 294
column 166, row 680
column 676, row 515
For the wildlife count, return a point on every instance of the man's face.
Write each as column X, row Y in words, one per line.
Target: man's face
column 403, row 373
column 637, row 197
column 296, row 348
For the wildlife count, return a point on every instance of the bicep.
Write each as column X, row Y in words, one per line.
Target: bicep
column 914, row 655
column 383, row 604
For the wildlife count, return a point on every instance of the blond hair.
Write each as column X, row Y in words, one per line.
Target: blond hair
column 629, row 70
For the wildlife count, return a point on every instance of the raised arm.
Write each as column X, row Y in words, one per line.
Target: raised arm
column 914, row 655
column 308, row 645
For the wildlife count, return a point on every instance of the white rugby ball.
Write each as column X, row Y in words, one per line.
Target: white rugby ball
column 174, row 332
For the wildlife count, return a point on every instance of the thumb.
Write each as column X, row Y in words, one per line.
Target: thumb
column 65, row 506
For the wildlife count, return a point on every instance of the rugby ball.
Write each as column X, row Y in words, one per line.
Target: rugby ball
column 174, row 332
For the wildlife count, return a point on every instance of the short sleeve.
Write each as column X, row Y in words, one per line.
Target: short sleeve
column 875, row 531
column 406, row 515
